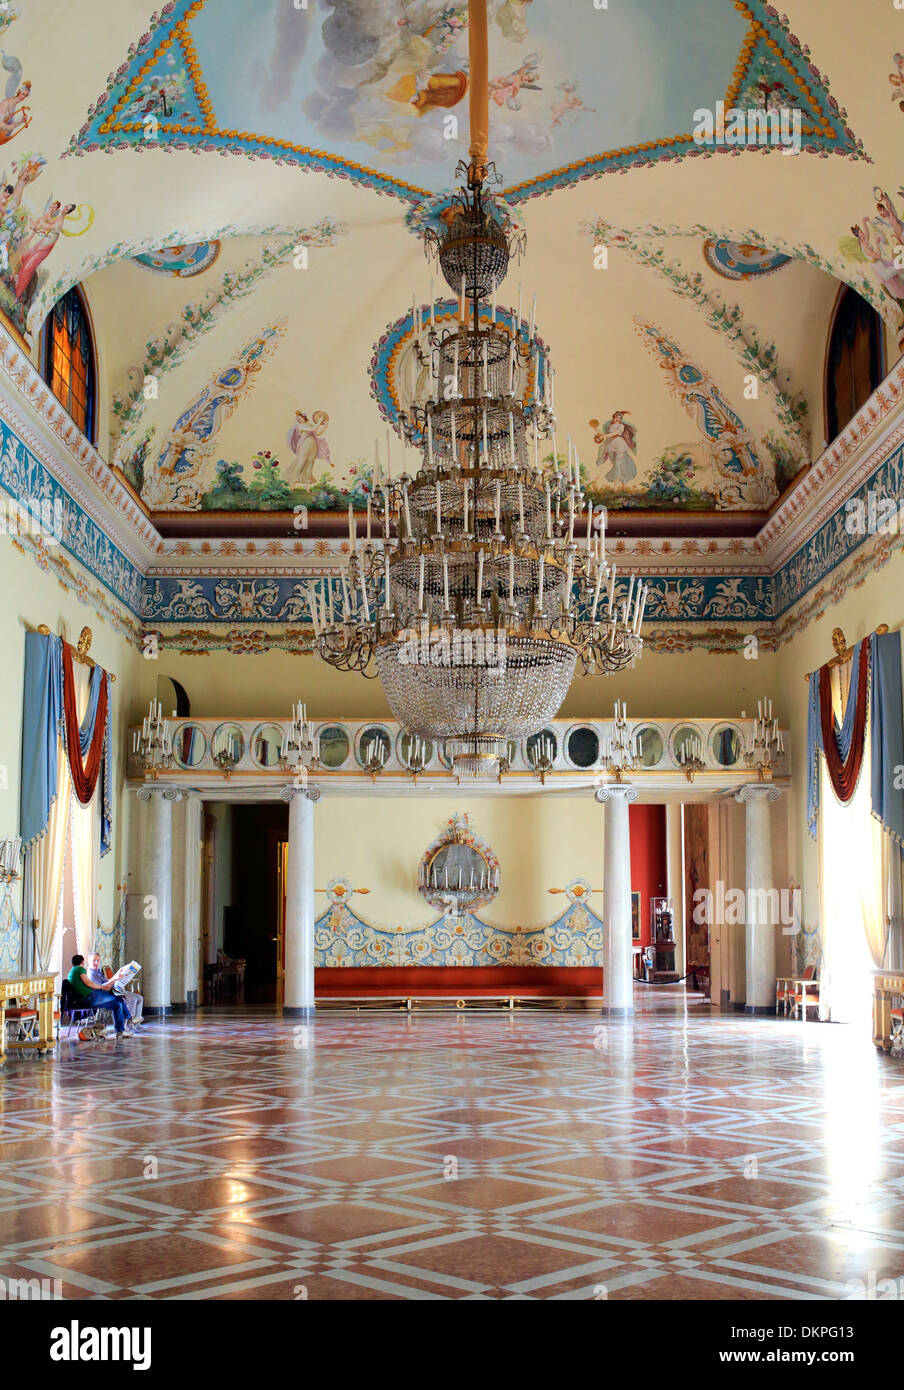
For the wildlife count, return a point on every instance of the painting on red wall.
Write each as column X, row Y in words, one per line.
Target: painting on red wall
column 635, row 916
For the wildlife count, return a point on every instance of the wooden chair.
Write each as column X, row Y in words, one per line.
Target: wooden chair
column 784, row 993
column 806, row 994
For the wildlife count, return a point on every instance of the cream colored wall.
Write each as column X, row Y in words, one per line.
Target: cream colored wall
column 377, row 843
column 879, row 599
column 663, row 685
column 31, row 597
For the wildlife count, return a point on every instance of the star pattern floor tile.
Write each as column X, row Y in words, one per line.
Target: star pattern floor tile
column 679, row 1155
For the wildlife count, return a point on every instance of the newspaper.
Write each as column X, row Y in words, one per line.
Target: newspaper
column 123, row 976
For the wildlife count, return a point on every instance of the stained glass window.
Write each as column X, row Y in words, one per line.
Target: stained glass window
column 69, row 360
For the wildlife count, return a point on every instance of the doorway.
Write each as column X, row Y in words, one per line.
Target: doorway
column 253, row 919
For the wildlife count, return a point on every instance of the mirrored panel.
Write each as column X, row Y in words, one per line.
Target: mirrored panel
column 369, row 740
column 542, row 744
column 189, row 745
column 333, row 745
column 227, row 744
column 266, row 745
column 725, row 745
column 582, row 746
column 405, row 745
column 652, row 745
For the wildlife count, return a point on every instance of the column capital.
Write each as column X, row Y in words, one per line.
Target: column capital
column 616, row 789
column 759, row 791
column 290, row 791
column 169, row 793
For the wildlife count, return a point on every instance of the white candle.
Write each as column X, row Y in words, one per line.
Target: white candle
column 388, row 459
column 521, row 506
column 407, row 512
column 596, row 593
column 589, row 524
column 439, row 510
column 479, row 576
column 368, row 517
column 568, row 581
column 511, row 381
column 385, row 513
column 570, row 516
column 486, row 369
column 512, row 437
column 461, row 301
column 386, row 567
column 446, row 583
column 430, row 440
column 542, row 572
column 511, row 579
column 498, row 507
column 548, row 513
column 454, row 439
column 420, row 587
column 486, row 446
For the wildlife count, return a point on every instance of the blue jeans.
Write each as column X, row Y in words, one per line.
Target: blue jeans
column 105, row 999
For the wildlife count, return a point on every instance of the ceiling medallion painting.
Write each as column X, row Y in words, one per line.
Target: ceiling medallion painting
column 182, row 261
column 367, row 91
column 741, row 260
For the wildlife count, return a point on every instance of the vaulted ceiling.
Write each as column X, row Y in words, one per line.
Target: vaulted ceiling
column 243, row 197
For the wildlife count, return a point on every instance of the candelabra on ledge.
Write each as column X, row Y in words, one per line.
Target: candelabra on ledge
column 152, row 748
column 690, row 757
column 225, row 753
column 416, row 759
column 541, row 755
column 300, row 751
column 10, row 855
column 373, row 754
column 620, row 750
column 765, row 743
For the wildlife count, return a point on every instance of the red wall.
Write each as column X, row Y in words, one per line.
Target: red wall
column 648, row 860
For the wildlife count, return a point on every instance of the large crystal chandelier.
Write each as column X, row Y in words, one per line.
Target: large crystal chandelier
column 489, row 587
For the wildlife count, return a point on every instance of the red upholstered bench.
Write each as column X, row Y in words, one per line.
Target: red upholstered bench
column 457, row 982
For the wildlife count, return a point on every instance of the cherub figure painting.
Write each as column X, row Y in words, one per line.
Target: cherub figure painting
column 617, row 440
column 506, row 90
column 14, row 114
column 569, row 101
column 880, row 242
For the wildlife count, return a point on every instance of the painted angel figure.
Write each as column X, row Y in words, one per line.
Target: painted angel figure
column 617, row 440
column 878, row 240
column 569, row 101
column 13, row 111
column 505, row 90
column 37, row 244
column 307, row 443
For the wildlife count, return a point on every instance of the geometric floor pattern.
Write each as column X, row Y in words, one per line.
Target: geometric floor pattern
column 682, row 1154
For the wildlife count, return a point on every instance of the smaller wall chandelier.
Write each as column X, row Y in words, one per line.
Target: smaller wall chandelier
column 620, row 750
column 765, row 743
column 10, row 855
column 299, row 751
column 152, row 747
column 459, row 872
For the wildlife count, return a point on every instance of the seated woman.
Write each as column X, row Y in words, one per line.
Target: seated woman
column 98, row 976
column 99, row 998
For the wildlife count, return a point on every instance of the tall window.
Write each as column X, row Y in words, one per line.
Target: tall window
column 69, row 360
column 854, row 362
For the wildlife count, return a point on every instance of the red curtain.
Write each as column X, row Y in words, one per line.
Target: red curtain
column 844, row 775
column 84, row 774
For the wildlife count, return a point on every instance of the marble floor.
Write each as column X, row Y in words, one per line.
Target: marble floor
column 685, row 1154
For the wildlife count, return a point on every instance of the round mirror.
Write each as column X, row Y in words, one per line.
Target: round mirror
column 189, row 745
column 652, row 746
column 227, row 742
column 582, row 746
column 543, row 744
column 332, row 745
column 686, row 743
column 405, row 746
column 371, row 739
column 725, row 745
column 266, row 745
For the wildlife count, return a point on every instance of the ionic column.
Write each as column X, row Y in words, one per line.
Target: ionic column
column 156, row 858
column 618, row 979
column 298, row 960
column 761, row 923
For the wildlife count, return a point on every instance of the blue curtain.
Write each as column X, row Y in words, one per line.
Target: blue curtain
column 42, row 714
column 42, row 721
column 886, row 723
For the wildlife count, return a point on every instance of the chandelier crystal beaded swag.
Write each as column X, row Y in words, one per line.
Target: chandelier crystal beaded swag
column 489, row 587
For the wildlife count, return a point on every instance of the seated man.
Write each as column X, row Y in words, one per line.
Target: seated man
column 98, row 977
column 99, row 998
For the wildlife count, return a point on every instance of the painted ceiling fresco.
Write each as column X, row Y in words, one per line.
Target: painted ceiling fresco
column 241, row 190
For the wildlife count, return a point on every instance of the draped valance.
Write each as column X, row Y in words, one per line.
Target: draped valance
column 874, row 701
column 50, row 719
